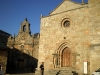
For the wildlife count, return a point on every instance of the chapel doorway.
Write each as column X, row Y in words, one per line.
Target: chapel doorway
column 65, row 59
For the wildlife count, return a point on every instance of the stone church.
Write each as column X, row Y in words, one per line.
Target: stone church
column 68, row 43
column 70, row 39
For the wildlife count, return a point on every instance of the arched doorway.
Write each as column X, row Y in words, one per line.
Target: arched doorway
column 65, row 59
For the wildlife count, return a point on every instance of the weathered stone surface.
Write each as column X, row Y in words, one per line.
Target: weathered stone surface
column 94, row 9
column 3, row 50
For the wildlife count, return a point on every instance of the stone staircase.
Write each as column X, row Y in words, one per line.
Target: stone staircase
column 60, row 71
column 56, row 71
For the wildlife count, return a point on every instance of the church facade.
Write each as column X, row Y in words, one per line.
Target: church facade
column 69, row 38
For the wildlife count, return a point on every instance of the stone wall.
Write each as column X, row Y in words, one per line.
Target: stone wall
column 3, row 59
column 3, row 50
column 94, row 10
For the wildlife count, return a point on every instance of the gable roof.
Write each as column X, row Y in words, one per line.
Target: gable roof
column 66, row 5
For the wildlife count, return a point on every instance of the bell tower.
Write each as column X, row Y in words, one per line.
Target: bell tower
column 25, row 27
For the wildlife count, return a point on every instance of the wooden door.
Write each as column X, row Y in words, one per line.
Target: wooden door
column 66, row 57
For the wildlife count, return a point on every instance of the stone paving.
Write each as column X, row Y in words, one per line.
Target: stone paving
column 22, row 74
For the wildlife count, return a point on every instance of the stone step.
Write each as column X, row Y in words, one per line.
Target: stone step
column 55, row 72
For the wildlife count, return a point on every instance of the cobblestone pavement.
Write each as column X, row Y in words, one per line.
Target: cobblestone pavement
column 22, row 74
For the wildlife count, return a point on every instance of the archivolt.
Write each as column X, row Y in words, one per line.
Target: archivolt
column 63, row 45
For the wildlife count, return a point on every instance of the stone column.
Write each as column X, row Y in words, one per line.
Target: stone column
column 55, row 57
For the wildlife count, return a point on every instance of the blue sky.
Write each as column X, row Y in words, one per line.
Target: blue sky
column 13, row 12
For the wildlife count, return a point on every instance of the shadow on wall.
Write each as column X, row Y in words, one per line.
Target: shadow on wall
column 17, row 60
column 20, row 62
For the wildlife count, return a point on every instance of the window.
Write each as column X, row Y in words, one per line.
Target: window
column 66, row 23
